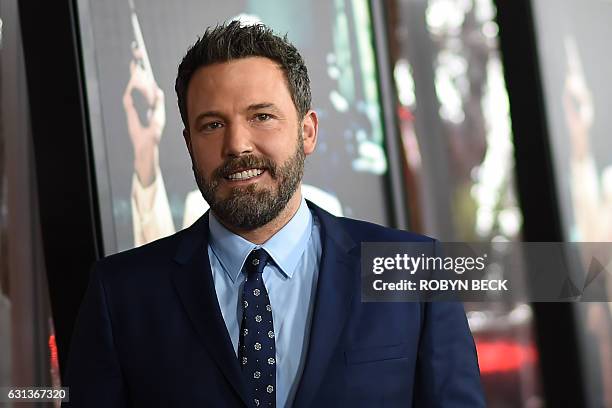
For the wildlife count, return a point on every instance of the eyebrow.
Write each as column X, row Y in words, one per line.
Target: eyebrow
column 253, row 107
column 263, row 105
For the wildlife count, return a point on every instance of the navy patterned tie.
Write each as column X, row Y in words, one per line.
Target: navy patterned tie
column 257, row 351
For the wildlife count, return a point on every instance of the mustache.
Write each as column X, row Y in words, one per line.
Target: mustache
column 245, row 162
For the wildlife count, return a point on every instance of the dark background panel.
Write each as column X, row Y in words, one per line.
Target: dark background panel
column 68, row 213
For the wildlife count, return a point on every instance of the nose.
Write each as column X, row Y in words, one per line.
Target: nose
column 237, row 141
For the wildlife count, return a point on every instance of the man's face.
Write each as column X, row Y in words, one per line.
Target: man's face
column 246, row 141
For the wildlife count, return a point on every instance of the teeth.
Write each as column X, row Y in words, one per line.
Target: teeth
column 246, row 174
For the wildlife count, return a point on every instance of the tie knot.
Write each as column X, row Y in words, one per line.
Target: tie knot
column 256, row 261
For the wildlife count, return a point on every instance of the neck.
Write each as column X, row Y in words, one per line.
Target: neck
column 265, row 232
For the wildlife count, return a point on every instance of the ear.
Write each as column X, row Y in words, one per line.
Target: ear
column 310, row 131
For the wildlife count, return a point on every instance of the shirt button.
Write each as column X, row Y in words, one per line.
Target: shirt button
column 255, row 262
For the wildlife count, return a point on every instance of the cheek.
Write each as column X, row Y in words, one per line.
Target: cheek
column 206, row 155
column 279, row 147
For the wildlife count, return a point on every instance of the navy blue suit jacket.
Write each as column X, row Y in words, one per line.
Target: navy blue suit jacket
column 150, row 334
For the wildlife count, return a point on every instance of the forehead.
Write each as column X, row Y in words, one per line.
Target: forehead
column 241, row 81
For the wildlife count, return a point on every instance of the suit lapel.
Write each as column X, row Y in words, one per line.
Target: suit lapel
column 335, row 290
column 196, row 290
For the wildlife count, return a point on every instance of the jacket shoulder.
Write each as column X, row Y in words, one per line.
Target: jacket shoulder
column 363, row 231
column 144, row 259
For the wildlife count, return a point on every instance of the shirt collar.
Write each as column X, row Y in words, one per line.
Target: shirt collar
column 285, row 247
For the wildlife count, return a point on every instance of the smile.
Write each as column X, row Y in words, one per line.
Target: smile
column 245, row 174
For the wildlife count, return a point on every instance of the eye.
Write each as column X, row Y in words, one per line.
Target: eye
column 211, row 126
column 263, row 117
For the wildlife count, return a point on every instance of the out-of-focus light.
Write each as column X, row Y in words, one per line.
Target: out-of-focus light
column 497, row 165
column 484, row 10
column 455, row 64
column 338, row 101
column 501, row 356
column 499, row 239
column 446, row 15
column 520, row 314
column 371, row 158
column 484, row 221
column 53, row 351
column 451, row 104
column 510, row 220
column 450, row 71
column 402, row 73
column 333, row 72
column 490, row 29
column 477, row 320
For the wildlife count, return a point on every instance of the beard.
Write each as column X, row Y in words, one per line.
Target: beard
column 251, row 207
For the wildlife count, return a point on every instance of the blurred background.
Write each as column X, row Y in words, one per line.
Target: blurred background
column 466, row 120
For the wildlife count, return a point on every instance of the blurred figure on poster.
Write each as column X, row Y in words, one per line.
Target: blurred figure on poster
column 151, row 213
column 592, row 199
column 591, row 190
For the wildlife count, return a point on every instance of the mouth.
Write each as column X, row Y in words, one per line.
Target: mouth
column 244, row 175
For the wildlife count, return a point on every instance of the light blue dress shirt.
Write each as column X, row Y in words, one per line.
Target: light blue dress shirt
column 291, row 281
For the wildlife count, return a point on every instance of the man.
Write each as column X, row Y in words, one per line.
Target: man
column 258, row 302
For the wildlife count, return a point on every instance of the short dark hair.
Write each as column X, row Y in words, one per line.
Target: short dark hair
column 227, row 42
